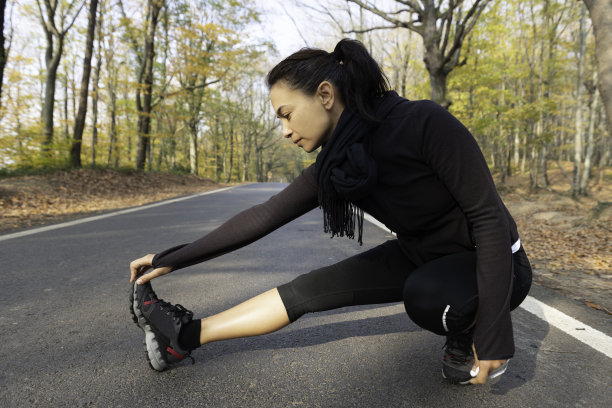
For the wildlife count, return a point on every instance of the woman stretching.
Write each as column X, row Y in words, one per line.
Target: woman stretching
column 457, row 263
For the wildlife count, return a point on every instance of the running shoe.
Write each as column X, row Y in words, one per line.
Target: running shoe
column 458, row 359
column 161, row 323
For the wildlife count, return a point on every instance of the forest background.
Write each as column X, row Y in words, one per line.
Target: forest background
column 178, row 85
column 150, row 87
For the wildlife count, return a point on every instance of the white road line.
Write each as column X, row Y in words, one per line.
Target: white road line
column 575, row 328
column 102, row 216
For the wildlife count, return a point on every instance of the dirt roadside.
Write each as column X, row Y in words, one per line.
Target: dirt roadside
column 569, row 242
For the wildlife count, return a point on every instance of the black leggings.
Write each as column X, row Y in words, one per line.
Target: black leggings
column 440, row 296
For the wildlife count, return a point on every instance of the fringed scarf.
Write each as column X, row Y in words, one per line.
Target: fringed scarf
column 345, row 173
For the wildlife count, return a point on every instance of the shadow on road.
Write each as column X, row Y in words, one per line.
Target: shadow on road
column 528, row 341
column 315, row 335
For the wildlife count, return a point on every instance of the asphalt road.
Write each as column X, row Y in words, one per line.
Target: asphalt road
column 67, row 338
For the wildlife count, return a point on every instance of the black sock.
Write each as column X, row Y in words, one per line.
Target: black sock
column 189, row 337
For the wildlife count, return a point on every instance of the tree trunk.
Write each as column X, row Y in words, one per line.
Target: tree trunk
column 79, row 122
column 150, row 154
column 579, row 126
column 193, row 147
column 53, row 54
column 543, row 166
column 52, row 60
column 66, row 99
column 113, row 128
column 588, row 157
column 231, row 153
column 3, row 51
column 533, row 169
column 509, row 155
column 143, row 103
column 601, row 16
column 94, row 107
column 517, row 143
column 605, row 155
column 524, row 156
column 438, row 87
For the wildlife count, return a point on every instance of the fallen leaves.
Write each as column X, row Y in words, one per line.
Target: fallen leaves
column 569, row 244
column 34, row 200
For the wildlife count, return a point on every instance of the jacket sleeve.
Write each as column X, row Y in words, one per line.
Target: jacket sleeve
column 296, row 199
column 453, row 154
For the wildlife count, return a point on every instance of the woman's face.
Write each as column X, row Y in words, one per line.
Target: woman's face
column 308, row 120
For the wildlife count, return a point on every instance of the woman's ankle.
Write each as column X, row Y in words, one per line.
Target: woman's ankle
column 189, row 337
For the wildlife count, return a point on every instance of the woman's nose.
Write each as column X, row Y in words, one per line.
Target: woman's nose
column 287, row 131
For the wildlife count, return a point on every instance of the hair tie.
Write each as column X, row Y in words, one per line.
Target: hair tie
column 336, row 56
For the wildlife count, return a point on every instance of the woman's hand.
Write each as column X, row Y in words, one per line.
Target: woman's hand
column 141, row 265
column 483, row 368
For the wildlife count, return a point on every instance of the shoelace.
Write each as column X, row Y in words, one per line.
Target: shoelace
column 177, row 310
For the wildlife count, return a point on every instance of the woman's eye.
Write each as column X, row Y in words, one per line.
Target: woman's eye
column 287, row 116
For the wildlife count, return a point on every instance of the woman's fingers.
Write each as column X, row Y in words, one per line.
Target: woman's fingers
column 135, row 272
column 153, row 274
column 140, row 266
column 476, row 372
column 484, row 369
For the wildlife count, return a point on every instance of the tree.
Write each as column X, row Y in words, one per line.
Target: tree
column 55, row 35
column 4, row 49
column 601, row 16
column 79, row 122
column 207, row 51
column 579, row 87
column 443, row 28
column 111, row 85
column 144, row 91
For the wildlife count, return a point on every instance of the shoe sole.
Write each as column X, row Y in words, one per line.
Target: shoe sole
column 492, row 375
column 153, row 353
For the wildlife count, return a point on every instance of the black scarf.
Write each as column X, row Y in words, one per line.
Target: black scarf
column 345, row 173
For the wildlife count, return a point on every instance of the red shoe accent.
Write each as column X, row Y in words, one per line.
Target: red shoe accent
column 174, row 353
column 148, row 302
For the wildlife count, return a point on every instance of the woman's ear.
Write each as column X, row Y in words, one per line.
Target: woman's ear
column 326, row 94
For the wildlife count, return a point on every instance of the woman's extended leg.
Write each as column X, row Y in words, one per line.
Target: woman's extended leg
column 261, row 314
column 374, row 276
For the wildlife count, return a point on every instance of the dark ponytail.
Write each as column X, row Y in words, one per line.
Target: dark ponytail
column 350, row 68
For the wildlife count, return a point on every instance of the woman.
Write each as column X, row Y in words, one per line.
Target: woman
column 457, row 262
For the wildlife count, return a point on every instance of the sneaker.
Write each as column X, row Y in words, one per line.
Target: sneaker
column 458, row 358
column 161, row 323
column 458, row 361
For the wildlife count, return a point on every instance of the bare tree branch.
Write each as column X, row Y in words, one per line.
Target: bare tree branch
column 297, row 28
column 412, row 4
column 465, row 27
column 329, row 14
column 130, row 33
column 386, row 17
column 188, row 88
column 367, row 30
column 447, row 24
column 64, row 31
